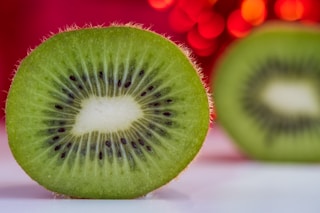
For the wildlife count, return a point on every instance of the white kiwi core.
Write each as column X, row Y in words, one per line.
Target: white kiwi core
column 291, row 97
column 106, row 114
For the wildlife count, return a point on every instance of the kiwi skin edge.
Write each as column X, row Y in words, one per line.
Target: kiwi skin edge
column 109, row 166
column 270, row 133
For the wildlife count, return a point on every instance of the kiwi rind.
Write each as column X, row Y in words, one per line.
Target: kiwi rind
column 80, row 48
column 291, row 45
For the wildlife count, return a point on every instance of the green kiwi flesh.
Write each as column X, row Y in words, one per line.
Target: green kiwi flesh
column 106, row 112
column 267, row 93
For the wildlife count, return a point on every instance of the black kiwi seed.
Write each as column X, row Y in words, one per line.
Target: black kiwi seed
column 55, row 138
column 70, row 95
column 101, row 75
column 57, row 106
column 141, row 73
column 61, row 130
column 168, row 114
column 108, row 143
column 123, row 141
column 56, row 148
column 119, row 83
column 72, row 78
column 156, row 104
column 63, row 155
column 149, row 148
column 134, row 145
column 100, row 155
column 141, row 142
column 127, row 84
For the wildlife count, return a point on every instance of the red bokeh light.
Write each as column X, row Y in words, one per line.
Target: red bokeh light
column 180, row 21
column 193, row 8
column 210, row 24
column 161, row 4
column 311, row 11
column 200, row 45
column 236, row 24
column 253, row 11
column 289, row 10
column 197, row 41
column 206, row 51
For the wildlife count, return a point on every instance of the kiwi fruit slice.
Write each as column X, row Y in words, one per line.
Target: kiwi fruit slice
column 106, row 112
column 266, row 90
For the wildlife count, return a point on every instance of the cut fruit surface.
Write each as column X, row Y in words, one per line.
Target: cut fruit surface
column 292, row 98
column 267, row 93
column 106, row 112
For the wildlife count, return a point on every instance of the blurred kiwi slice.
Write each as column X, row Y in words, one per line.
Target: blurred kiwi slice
column 267, row 92
column 106, row 112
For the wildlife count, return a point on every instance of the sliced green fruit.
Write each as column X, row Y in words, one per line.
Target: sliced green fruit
column 106, row 112
column 267, row 93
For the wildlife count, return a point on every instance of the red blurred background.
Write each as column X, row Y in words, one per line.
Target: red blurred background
column 206, row 26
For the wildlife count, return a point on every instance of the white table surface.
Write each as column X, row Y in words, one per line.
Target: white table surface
column 218, row 180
